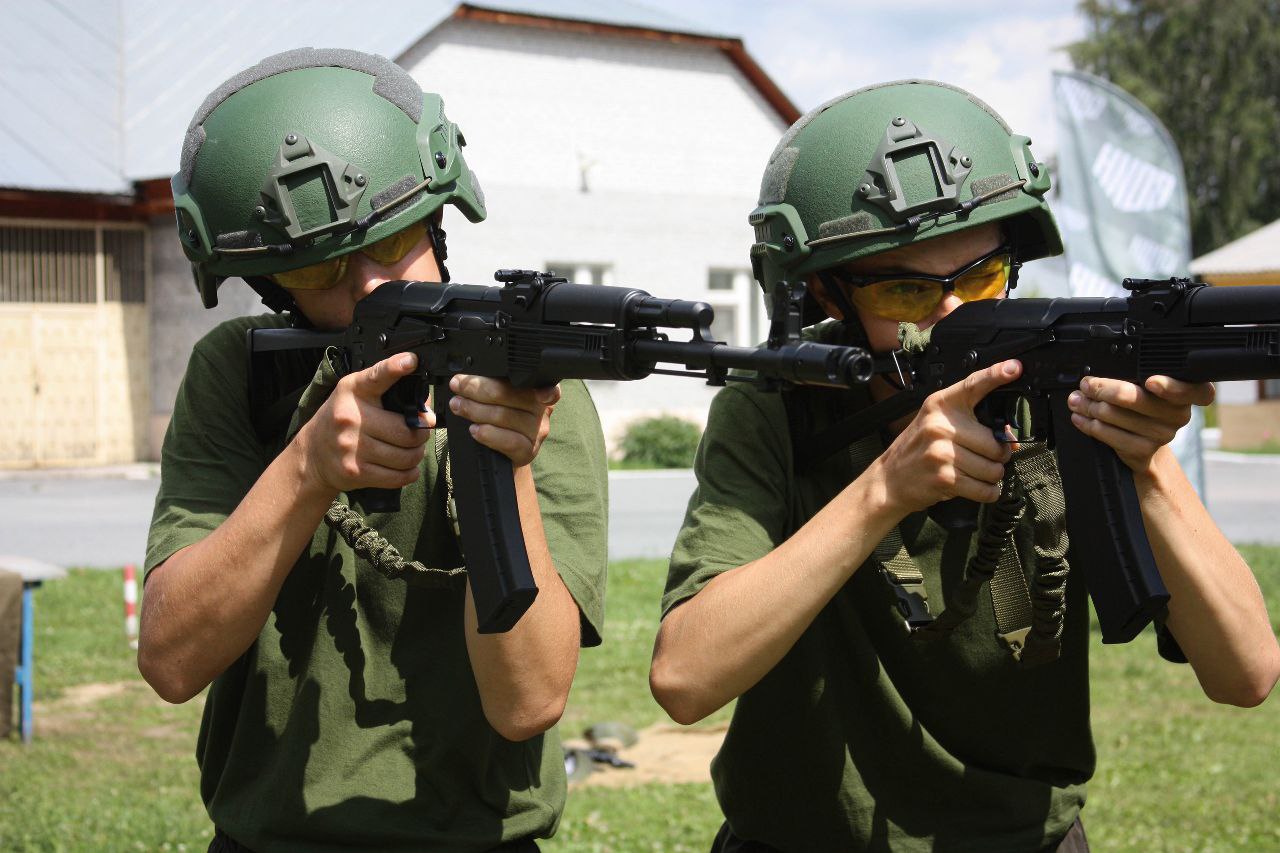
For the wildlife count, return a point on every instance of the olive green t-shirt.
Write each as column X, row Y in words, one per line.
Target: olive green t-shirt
column 354, row 719
column 863, row 736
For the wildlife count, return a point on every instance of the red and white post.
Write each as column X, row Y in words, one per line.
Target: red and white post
column 131, row 605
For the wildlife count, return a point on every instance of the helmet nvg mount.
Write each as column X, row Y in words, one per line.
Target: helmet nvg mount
column 309, row 155
column 888, row 166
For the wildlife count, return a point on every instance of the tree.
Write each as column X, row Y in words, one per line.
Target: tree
column 1210, row 70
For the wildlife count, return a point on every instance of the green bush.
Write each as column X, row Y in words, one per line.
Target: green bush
column 662, row 442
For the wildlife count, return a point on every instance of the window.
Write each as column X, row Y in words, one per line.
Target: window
column 581, row 273
column 47, row 265
column 739, row 306
column 60, row 264
column 125, row 263
column 720, row 280
column 725, row 325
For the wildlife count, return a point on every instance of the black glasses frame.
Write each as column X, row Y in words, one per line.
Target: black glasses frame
column 948, row 282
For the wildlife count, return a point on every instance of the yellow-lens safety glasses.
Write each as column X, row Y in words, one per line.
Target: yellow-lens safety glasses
column 325, row 274
column 912, row 297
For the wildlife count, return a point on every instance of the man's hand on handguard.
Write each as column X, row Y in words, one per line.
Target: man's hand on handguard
column 513, row 421
column 946, row 452
column 1132, row 420
column 352, row 442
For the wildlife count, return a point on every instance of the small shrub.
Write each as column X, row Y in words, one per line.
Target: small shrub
column 665, row 441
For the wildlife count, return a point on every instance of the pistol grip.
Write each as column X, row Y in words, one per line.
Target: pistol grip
column 376, row 500
column 405, row 398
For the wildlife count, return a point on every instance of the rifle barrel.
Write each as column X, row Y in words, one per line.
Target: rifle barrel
column 1234, row 305
column 806, row 362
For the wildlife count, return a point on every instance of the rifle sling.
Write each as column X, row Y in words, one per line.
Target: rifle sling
column 1030, row 627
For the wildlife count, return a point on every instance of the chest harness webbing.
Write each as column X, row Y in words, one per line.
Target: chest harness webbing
column 1029, row 618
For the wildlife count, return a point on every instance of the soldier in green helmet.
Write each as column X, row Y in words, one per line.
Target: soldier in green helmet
column 345, row 707
column 882, row 702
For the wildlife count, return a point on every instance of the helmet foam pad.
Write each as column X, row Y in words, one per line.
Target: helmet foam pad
column 390, row 81
column 773, row 187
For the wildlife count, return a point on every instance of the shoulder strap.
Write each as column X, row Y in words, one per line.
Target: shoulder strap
column 890, row 554
column 1042, row 483
column 444, row 470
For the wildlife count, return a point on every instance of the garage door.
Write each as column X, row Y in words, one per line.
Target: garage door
column 73, row 345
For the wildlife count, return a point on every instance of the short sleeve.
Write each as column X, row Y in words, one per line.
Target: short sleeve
column 571, row 475
column 211, row 456
column 739, row 511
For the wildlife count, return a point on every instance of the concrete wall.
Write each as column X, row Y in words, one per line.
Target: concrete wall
column 178, row 320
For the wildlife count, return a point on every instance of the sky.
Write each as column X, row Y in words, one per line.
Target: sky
column 817, row 49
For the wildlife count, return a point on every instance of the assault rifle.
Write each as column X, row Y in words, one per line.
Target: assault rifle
column 535, row 330
column 1173, row 327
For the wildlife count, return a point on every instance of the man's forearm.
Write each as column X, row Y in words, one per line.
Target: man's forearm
column 206, row 604
column 1216, row 611
column 524, row 674
column 718, row 644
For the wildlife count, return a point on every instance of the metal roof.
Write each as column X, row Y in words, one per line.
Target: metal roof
column 95, row 96
column 1255, row 252
column 60, row 96
column 617, row 12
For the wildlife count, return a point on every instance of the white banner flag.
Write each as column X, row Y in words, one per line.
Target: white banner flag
column 1122, row 204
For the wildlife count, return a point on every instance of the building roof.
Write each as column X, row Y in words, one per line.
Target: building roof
column 96, row 96
column 1256, row 252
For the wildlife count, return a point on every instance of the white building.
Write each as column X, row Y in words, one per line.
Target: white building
column 615, row 145
column 1248, row 412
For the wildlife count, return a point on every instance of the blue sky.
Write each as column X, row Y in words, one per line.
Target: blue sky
column 816, row 49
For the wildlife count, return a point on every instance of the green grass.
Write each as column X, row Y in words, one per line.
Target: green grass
column 613, row 679
column 1176, row 771
column 112, row 767
column 109, row 772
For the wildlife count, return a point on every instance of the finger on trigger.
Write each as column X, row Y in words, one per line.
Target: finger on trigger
column 979, row 384
column 377, row 380
column 390, row 427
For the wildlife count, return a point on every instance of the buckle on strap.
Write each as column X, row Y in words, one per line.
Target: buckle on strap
column 1015, row 641
column 912, row 602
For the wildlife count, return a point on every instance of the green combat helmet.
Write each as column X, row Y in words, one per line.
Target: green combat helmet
column 887, row 166
column 309, row 155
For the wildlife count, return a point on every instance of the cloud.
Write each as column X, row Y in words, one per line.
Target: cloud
column 817, row 49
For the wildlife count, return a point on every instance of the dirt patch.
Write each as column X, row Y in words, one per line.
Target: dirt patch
column 88, row 694
column 75, row 710
column 165, row 732
column 663, row 754
column 78, row 710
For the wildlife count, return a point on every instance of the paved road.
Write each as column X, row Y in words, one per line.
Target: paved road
column 102, row 520
column 1244, row 495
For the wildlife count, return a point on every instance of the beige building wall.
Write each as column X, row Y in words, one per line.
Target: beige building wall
column 74, row 343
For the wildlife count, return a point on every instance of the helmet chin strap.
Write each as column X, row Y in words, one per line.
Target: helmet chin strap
column 438, row 247
column 273, row 295
column 835, row 293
